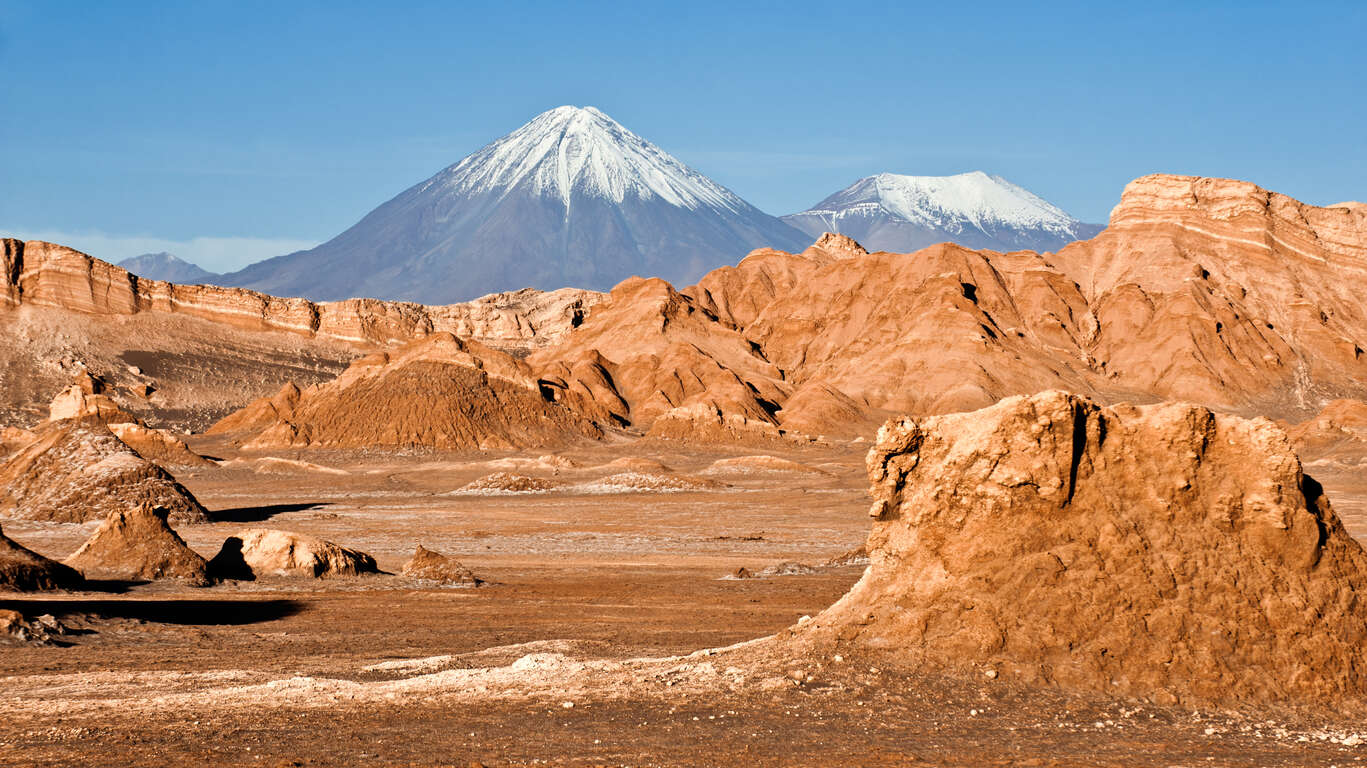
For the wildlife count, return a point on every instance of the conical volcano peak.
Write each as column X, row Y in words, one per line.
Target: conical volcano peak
column 580, row 150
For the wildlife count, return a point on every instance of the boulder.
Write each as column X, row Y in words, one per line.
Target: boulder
column 137, row 544
column 259, row 552
column 1161, row 552
column 434, row 566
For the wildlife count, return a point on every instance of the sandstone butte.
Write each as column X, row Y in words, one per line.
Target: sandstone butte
column 1161, row 552
column 1206, row 290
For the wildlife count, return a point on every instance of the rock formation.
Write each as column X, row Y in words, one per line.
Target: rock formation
column 75, row 471
column 434, row 566
column 1161, row 552
column 36, row 273
column 158, row 445
column 74, row 402
column 1203, row 289
column 24, row 570
column 137, row 544
column 439, row 392
column 259, row 552
column 259, row 414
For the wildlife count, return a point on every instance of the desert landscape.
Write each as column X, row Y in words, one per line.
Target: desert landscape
column 1096, row 506
column 659, row 385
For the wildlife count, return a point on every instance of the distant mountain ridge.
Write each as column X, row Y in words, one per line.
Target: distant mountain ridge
column 164, row 266
column 572, row 198
column 893, row 212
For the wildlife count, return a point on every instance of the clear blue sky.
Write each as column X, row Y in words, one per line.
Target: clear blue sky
column 237, row 130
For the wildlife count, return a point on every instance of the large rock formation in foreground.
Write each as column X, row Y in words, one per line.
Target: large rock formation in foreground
column 1162, row 552
column 137, row 544
column 76, row 471
column 24, row 570
column 439, row 392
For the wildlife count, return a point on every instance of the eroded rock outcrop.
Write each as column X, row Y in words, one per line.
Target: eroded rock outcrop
column 1162, row 552
column 137, row 544
column 258, row 552
column 434, row 566
column 45, row 274
column 75, row 471
column 439, row 392
column 23, row 570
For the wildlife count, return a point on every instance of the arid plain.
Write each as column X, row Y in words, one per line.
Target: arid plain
column 1101, row 506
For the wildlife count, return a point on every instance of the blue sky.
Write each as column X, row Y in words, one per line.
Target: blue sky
column 229, row 132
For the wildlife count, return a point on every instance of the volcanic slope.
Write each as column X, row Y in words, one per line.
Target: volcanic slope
column 572, row 198
column 1207, row 290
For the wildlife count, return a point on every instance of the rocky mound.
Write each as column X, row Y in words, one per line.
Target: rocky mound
column 1161, row 552
column 434, row 566
column 507, row 482
column 758, row 464
column 137, row 544
column 158, row 445
column 629, row 482
column 440, row 392
column 77, row 470
column 259, row 414
column 259, row 552
column 639, row 464
column 78, row 402
column 40, row 630
column 1340, row 424
column 24, row 570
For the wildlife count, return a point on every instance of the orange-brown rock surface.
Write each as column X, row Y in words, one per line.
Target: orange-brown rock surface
column 158, row 445
column 434, row 566
column 137, row 544
column 185, row 356
column 23, row 570
column 45, row 274
column 259, row 414
column 1160, row 552
column 1210, row 290
column 439, row 392
column 258, row 552
column 75, row 471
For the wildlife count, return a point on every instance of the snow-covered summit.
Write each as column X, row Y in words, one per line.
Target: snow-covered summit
column 966, row 199
column 891, row 211
column 569, row 149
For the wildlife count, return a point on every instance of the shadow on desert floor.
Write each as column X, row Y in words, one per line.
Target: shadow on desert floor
column 184, row 612
column 259, row 514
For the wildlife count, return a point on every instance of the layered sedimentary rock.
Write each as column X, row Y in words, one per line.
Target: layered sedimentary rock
column 23, row 570
column 36, row 273
column 1160, row 552
column 438, row 392
column 75, row 471
column 259, row 552
column 137, row 544
column 156, row 445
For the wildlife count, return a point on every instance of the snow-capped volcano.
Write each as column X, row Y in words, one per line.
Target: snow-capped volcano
column 892, row 212
column 572, row 198
column 572, row 148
